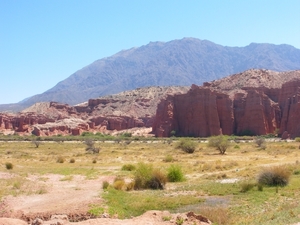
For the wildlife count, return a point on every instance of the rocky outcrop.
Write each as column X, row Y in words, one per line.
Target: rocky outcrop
column 126, row 110
column 256, row 102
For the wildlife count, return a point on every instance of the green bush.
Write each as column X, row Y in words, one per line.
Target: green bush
column 187, row 145
column 246, row 186
column 119, row 183
column 175, row 174
column 128, row 167
column 221, row 143
column 142, row 175
column 145, row 177
column 105, row 185
column 9, row 166
column 274, row 176
column 297, row 139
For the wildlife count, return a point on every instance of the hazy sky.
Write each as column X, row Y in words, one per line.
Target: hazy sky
column 44, row 41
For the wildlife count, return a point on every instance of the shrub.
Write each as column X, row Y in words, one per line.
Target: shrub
column 9, row 166
column 221, row 143
column 142, row 175
column 72, row 160
column 297, row 139
column 274, row 176
column 128, row 167
column 175, row 174
column 119, row 183
column 157, row 180
column 105, row 185
column 60, row 159
column 36, row 143
column 91, row 146
column 94, row 161
column 246, row 186
column 260, row 142
column 146, row 177
column 168, row 158
column 186, row 145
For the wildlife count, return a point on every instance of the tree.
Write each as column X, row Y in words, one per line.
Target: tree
column 91, row 146
column 221, row 143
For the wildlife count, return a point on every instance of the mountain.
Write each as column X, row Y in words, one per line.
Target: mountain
column 178, row 62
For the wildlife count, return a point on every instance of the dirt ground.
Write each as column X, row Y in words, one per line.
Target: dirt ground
column 71, row 198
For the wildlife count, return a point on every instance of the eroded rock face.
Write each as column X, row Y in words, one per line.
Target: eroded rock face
column 256, row 102
column 116, row 112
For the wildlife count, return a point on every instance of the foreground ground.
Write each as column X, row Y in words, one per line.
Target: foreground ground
column 39, row 186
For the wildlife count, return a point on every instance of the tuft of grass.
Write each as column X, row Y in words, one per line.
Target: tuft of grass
column 128, row 167
column 119, row 184
column 72, row 160
column 218, row 215
column 168, row 158
column 175, row 174
column 274, row 176
column 247, row 186
column 60, row 159
column 146, row 177
column 9, row 165
column 105, row 185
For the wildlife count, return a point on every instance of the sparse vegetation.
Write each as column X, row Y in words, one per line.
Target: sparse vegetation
column 274, row 176
column 175, row 173
column 221, row 143
column 187, row 145
column 60, row 159
column 146, row 177
column 260, row 142
column 91, row 146
column 128, row 167
column 9, row 165
column 205, row 173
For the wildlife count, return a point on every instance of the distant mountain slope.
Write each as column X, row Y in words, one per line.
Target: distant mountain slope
column 179, row 62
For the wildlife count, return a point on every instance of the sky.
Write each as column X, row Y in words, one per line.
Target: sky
column 42, row 42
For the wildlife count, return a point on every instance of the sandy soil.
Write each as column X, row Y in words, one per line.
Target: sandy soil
column 71, row 198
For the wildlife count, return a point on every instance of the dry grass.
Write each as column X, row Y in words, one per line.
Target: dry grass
column 203, row 166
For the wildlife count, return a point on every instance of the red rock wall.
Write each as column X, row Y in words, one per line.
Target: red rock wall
column 203, row 112
column 289, row 102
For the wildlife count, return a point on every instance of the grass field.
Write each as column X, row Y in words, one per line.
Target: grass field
column 208, row 187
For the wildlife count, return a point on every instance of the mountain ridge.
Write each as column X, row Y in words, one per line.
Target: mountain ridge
column 178, row 62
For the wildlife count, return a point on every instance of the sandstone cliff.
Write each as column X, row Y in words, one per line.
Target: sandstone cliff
column 254, row 102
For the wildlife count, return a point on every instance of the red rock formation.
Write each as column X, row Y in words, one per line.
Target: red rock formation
column 226, row 107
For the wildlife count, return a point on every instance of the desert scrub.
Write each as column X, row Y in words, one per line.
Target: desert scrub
column 168, row 158
column 146, row 177
column 274, row 176
column 128, row 167
column 119, row 183
column 221, row 143
column 60, row 159
column 9, row 165
column 105, row 185
column 187, row 145
column 72, row 160
column 247, row 186
column 175, row 174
